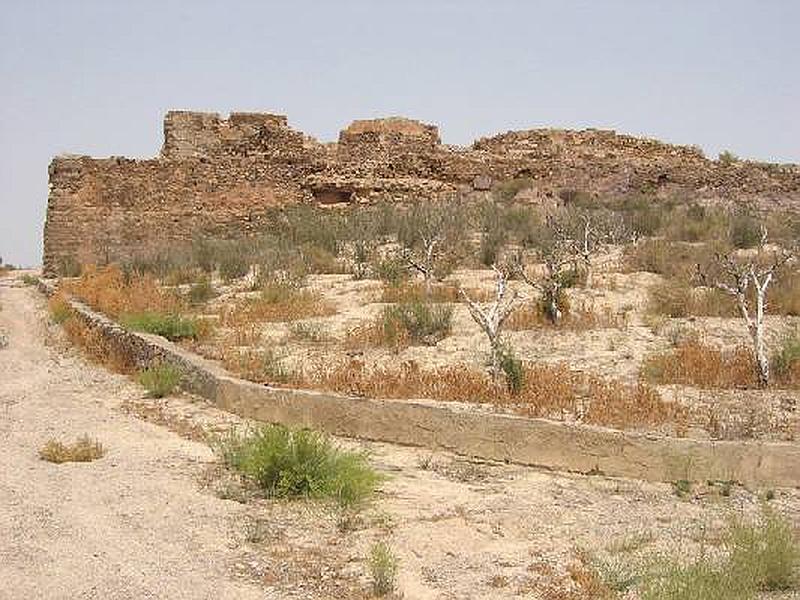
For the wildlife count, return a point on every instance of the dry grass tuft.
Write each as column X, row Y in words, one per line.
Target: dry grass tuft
column 698, row 364
column 278, row 301
column 84, row 449
column 414, row 291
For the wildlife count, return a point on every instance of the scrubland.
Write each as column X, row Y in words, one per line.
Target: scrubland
column 617, row 312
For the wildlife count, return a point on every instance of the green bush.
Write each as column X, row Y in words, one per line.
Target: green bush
column 726, row 157
column 761, row 556
column 172, row 327
column 201, row 292
column 291, row 463
column 160, row 380
column 513, row 370
column 419, row 322
column 703, row 579
column 382, row 566
column 234, row 262
column 745, row 230
column 766, row 552
column 789, row 354
column 391, row 271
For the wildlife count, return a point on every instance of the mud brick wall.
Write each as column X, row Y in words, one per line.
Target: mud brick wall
column 220, row 177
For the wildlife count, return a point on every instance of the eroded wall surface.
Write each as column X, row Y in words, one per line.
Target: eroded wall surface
column 220, row 177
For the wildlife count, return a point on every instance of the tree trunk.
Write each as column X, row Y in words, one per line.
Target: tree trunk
column 762, row 358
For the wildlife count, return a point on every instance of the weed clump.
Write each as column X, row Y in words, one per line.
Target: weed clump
column 84, row 449
column 382, row 565
column 160, row 380
column 299, row 463
column 757, row 557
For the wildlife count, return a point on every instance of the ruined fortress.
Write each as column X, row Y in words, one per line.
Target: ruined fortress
column 220, row 177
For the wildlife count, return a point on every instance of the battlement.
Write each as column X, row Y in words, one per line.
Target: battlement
column 190, row 134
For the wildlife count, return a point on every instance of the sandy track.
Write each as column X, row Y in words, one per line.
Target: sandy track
column 134, row 524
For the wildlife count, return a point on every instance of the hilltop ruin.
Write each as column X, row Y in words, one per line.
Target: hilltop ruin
column 220, row 177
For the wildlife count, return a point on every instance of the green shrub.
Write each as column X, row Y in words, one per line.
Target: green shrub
column 419, row 322
column 765, row 552
column 745, row 230
column 291, row 463
column 761, row 556
column 491, row 243
column 392, row 271
column 201, row 291
column 784, row 361
column 506, row 190
column 160, row 380
column 172, row 327
column 703, row 579
column 513, row 369
column 382, row 566
column 234, row 262
column 28, row 279
column 60, row 309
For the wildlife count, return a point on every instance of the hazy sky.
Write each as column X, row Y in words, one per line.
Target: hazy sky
column 95, row 77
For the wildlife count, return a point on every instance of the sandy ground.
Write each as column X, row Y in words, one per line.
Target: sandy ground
column 131, row 525
column 157, row 518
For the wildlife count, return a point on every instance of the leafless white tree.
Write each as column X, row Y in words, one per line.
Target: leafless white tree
column 735, row 277
column 492, row 317
column 426, row 263
column 425, row 237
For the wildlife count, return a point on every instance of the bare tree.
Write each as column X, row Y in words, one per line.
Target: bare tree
column 735, row 277
column 424, row 237
column 491, row 318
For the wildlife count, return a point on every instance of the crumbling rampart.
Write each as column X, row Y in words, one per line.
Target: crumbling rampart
column 220, row 177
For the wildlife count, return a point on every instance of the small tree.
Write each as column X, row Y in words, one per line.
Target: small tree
column 735, row 276
column 492, row 317
column 424, row 237
column 560, row 260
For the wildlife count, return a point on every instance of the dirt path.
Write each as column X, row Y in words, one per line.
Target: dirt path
column 134, row 524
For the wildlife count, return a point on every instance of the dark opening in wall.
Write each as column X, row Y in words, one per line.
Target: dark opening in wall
column 330, row 195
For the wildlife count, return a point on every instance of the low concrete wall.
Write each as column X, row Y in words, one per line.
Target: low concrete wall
column 536, row 442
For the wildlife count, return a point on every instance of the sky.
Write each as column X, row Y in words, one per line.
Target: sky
column 96, row 77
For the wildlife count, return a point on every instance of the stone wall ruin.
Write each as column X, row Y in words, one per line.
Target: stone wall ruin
column 221, row 177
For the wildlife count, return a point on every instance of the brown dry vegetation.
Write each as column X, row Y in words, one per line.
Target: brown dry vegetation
column 698, row 364
column 277, row 301
column 84, row 449
column 414, row 291
column 551, row 391
column 580, row 318
column 115, row 293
